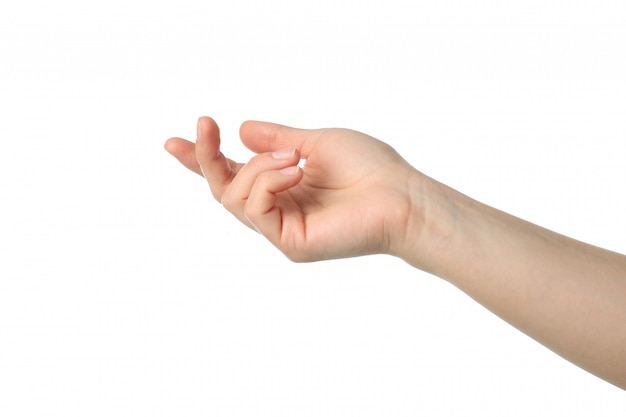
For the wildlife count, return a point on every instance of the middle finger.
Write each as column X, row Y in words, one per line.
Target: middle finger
column 235, row 195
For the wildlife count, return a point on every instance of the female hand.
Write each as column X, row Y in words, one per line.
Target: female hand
column 352, row 197
column 356, row 196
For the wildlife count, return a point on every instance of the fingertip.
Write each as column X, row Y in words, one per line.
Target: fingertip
column 205, row 119
column 170, row 145
column 183, row 151
column 175, row 146
column 260, row 136
column 167, row 145
column 245, row 125
column 290, row 171
column 208, row 139
column 249, row 129
column 205, row 125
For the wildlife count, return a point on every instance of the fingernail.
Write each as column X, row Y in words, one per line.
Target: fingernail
column 289, row 170
column 284, row 153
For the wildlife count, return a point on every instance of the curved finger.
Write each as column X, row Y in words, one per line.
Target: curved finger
column 185, row 152
column 216, row 168
column 236, row 194
column 261, row 208
column 266, row 137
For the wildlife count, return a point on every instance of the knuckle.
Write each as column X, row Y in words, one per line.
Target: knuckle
column 249, row 213
column 298, row 257
column 263, row 181
column 252, row 222
column 216, row 191
column 261, row 184
column 228, row 202
column 255, row 163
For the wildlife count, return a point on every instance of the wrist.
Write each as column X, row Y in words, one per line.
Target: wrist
column 431, row 223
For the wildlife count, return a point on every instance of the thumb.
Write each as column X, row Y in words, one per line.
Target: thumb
column 267, row 137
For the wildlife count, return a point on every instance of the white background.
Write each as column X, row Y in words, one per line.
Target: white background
column 126, row 291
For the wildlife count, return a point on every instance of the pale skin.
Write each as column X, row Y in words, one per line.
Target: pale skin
column 356, row 196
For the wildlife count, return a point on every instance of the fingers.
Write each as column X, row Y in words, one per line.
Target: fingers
column 216, row 168
column 249, row 191
column 262, row 210
column 237, row 195
column 184, row 151
column 266, row 137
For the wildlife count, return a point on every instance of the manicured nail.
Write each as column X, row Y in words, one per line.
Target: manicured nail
column 284, row 153
column 289, row 170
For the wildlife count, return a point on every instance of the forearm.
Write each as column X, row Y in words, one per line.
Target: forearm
column 566, row 294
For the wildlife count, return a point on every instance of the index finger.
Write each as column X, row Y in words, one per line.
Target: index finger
column 218, row 170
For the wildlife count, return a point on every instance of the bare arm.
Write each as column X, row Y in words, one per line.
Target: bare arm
column 568, row 295
column 357, row 196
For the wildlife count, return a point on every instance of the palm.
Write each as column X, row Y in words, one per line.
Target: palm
column 341, row 207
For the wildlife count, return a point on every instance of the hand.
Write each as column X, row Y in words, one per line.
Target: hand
column 351, row 198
